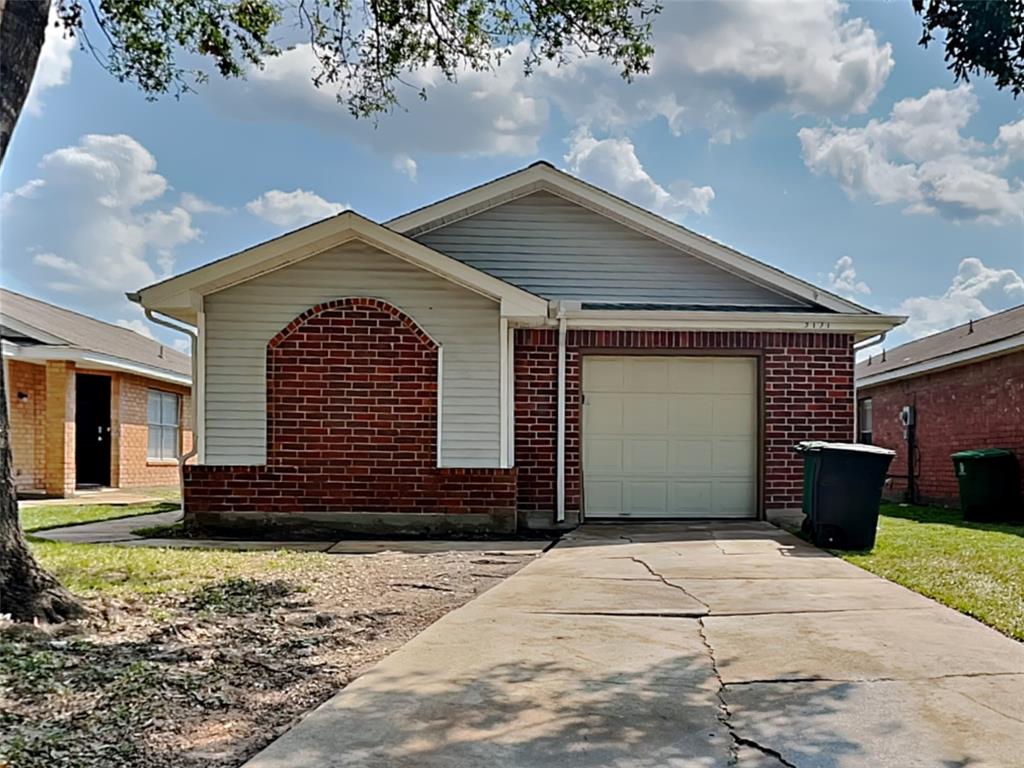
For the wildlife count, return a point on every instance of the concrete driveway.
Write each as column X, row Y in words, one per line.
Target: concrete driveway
column 681, row 645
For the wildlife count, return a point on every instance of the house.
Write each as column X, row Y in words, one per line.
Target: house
column 961, row 388
column 524, row 354
column 91, row 404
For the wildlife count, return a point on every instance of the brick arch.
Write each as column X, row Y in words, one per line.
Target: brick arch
column 363, row 302
column 352, row 396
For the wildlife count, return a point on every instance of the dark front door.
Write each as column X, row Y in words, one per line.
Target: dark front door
column 92, row 429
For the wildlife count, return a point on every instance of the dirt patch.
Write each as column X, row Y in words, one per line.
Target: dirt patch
column 209, row 676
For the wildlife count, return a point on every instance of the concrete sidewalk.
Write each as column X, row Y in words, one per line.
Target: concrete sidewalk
column 119, row 531
column 699, row 645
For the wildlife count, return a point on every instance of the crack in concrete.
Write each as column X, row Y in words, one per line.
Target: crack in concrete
column 724, row 714
column 630, row 615
column 926, row 678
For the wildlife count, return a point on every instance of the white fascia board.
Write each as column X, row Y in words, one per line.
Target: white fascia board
column 861, row 326
column 544, row 177
column 953, row 360
column 40, row 354
column 181, row 296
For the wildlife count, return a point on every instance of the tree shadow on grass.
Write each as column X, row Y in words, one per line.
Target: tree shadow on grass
column 953, row 517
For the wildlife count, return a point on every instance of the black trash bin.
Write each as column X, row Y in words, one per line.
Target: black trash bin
column 842, row 490
column 989, row 480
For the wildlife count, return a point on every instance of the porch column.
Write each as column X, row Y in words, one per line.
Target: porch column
column 59, row 478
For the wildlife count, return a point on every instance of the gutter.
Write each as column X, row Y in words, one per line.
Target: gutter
column 195, row 384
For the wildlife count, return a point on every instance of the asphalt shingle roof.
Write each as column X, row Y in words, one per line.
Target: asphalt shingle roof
column 84, row 332
column 961, row 338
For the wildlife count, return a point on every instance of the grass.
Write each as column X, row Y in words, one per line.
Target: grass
column 98, row 569
column 976, row 568
column 42, row 517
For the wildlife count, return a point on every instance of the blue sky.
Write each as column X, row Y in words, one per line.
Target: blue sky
column 818, row 137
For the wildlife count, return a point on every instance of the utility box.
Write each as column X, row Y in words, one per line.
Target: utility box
column 989, row 480
column 842, row 492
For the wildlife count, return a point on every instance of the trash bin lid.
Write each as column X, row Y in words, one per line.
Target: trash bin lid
column 822, row 445
column 982, row 453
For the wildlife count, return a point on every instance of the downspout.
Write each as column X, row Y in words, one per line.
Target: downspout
column 560, row 456
column 195, row 383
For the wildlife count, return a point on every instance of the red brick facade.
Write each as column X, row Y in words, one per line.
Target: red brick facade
column 807, row 394
column 352, row 428
column 42, row 412
column 973, row 406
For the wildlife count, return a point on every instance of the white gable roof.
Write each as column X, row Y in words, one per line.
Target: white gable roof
column 542, row 176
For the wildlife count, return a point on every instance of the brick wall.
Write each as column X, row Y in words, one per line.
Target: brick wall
column 973, row 406
column 351, row 427
column 129, row 427
column 808, row 394
column 28, row 424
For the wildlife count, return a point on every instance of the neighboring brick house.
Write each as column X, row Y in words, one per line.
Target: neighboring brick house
column 91, row 404
column 526, row 354
column 966, row 388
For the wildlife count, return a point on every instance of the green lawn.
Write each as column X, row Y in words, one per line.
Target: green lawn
column 976, row 568
column 38, row 518
column 98, row 569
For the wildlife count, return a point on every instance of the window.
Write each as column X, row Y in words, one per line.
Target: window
column 163, row 411
column 864, row 420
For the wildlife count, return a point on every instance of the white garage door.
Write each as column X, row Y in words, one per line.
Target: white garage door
column 669, row 437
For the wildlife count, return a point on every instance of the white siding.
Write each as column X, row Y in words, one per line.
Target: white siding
column 560, row 250
column 242, row 319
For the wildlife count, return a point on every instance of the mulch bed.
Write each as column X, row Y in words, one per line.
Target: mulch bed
column 209, row 677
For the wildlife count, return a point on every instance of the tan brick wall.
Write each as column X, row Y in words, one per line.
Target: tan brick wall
column 59, row 479
column 28, row 424
column 131, row 432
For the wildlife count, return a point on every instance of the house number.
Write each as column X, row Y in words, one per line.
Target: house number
column 817, row 324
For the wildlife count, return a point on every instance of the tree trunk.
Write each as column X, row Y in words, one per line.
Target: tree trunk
column 22, row 31
column 27, row 591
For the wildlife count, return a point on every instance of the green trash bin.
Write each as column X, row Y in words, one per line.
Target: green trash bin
column 989, row 480
column 842, row 492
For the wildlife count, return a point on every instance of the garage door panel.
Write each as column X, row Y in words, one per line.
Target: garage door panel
column 692, row 497
column 604, row 374
column 734, row 498
column 645, row 414
column 670, row 436
column 649, row 499
column 603, row 414
column 735, row 376
column 692, row 456
column 604, row 455
column 733, row 456
column 604, row 497
column 647, row 456
column 733, row 415
column 692, row 376
column 646, row 374
column 691, row 414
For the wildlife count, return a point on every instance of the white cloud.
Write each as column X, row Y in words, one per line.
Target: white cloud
column 919, row 158
column 196, row 204
column 716, row 67
column 613, row 165
column 1011, row 139
column 843, row 279
column 962, row 301
column 94, row 223
column 293, row 209
column 404, row 164
column 138, row 326
column 30, row 189
column 54, row 67
column 182, row 345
